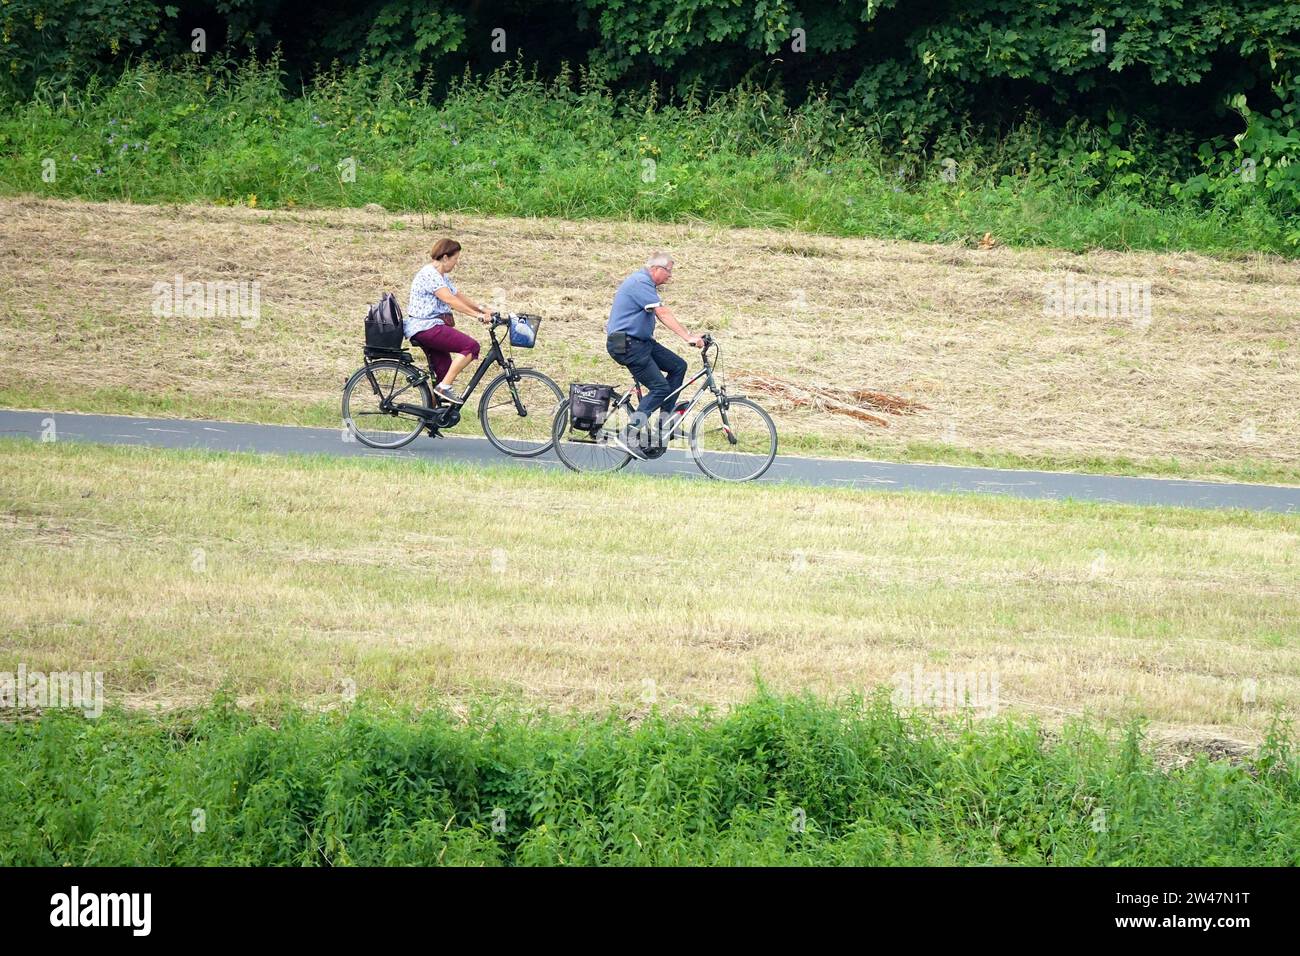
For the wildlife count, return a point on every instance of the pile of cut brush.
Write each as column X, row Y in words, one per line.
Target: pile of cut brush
column 860, row 404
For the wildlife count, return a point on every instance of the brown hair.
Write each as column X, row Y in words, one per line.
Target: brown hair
column 443, row 248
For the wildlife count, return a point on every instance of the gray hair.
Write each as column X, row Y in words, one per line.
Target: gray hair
column 661, row 259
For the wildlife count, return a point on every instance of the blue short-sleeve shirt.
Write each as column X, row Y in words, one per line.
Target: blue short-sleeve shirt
column 634, row 302
column 424, row 309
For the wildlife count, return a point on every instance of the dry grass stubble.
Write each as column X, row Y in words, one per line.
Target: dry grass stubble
column 314, row 573
column 962, row 331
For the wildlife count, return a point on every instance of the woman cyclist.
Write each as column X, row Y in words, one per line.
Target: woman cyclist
column 431, row 325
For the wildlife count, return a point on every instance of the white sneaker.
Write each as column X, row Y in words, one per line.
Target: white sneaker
column 447, row 395
column 631, row 447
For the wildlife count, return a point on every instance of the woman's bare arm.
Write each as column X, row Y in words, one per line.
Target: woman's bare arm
column 459, row 302
column 471, row 303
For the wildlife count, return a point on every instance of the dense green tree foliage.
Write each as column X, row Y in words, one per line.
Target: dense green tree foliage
column 1199, row 93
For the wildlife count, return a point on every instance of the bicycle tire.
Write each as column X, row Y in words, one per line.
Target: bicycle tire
column 380, row 371
column 534, row 448
column 572, row 453
column 761, row 461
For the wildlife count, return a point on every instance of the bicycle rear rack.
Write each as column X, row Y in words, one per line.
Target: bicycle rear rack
column 373, row 354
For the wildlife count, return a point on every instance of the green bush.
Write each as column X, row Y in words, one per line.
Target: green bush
column 511, row 143
column 779, row 780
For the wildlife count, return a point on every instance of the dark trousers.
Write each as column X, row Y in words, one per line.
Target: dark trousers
column 439, row 343
column 660, row 371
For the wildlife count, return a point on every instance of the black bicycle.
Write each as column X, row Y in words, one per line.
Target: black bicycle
column 731, row 439
column 390, row 400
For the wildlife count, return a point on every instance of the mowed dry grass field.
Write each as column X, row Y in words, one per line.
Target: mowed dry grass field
column 178, row 572
column 1208, row 387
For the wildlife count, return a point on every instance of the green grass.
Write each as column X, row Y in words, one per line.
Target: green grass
column 779, row 780
column 510, row 145
column 420, row 581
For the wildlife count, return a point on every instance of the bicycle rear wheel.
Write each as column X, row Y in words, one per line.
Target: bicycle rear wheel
column 733, row 443
column 365, row 399
column 522, row 430
column 589, row 453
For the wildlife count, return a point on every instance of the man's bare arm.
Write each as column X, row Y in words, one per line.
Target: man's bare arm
column 665, row 315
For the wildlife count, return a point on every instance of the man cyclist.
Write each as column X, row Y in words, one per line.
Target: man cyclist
column 630, row 339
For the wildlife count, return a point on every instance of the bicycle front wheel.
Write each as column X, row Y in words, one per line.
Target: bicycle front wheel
column 735, row 441
column 369, row 395
column 516, row 415
column 584, row 452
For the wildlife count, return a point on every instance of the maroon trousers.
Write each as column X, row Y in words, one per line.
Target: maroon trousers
column 440, row 343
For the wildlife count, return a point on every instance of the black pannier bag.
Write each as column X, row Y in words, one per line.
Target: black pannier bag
column 589, row 406
column 384, row 324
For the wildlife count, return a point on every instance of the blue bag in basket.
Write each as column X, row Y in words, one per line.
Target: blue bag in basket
column 523, row 330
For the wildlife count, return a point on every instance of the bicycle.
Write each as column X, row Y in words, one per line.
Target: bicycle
column 731, row 438
column 516, row 409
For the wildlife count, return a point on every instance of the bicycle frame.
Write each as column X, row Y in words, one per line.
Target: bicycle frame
column 710, row 385
column 495, row 356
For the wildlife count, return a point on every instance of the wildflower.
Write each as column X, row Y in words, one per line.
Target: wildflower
column 74, row 157
column 98, row 171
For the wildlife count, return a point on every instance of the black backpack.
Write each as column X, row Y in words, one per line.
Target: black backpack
column 384, row 324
